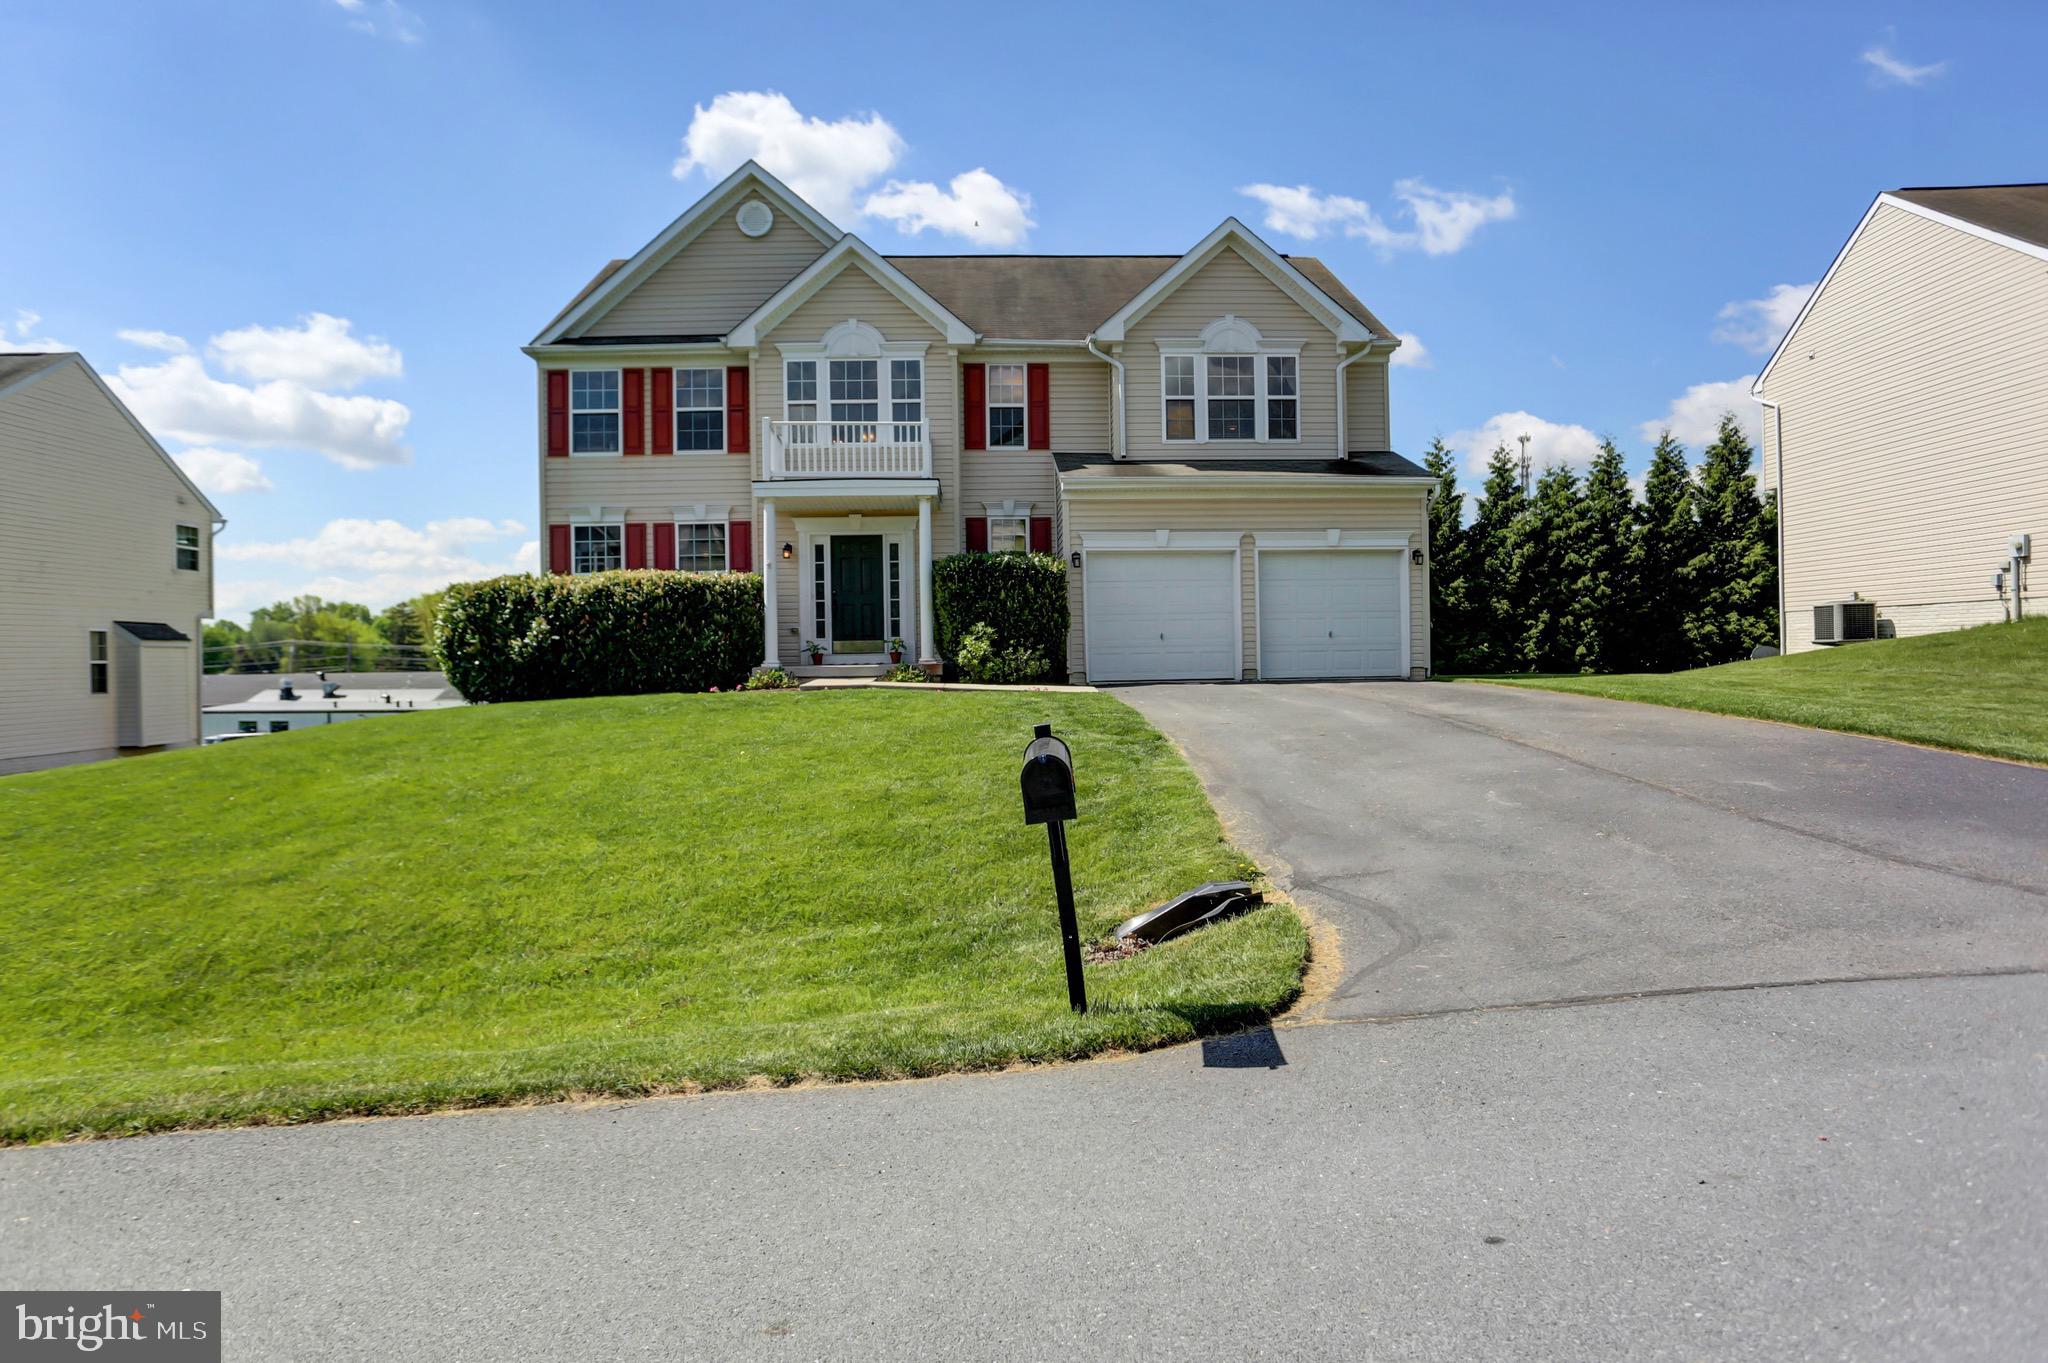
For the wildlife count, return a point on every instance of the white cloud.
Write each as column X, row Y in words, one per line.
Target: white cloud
column 1443, row 221
column 827, row 163
column 16, row 337
column 1695, row 415
column 155, row 340
column 319, row 352
column 1413, row 354
column 1550, row 442
column 178, row 398
column 387, row 19
column 976, row 206
column 222, row 470
column 374, row 562
column 1887, row 69
column 1758, row 324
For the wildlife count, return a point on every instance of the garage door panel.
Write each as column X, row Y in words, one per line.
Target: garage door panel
column 1334, row 613
column 1162, row 616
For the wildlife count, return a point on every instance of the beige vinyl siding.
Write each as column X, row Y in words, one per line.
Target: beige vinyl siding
column 1912, row 436
column 645, row 486
column 88, row 512
column 1366, row 406
column 854, row 293
column 715, row 282
column 1229, row 285
column 1403, row 511
column 1078, row 395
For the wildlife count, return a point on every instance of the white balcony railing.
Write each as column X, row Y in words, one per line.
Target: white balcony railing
column 845, row 449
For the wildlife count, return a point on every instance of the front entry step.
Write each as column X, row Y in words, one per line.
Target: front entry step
column 806, row 672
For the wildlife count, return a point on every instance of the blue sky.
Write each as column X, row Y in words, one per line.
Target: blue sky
column 307, row 237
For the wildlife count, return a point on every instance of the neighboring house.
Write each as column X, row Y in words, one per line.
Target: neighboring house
column 1906, row 415
column 107, row 574
column 1203, row 436
column 275, row 705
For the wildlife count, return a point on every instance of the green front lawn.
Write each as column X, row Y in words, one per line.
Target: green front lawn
column 621, row 895
column 1978, row 690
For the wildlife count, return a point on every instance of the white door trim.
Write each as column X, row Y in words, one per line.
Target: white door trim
column 1378, row 544
column 898, row 530
column 1179, row 542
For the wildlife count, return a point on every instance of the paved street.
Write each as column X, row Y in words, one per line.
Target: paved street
column 1844, row 1170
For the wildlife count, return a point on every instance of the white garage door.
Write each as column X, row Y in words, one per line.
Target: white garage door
column 1162, row 616
column 1330, row 613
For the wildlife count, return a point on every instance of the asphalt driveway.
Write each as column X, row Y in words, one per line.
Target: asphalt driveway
column 1480, row 845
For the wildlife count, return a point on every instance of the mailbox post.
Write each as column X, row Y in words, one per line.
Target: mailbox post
column 1048, row 783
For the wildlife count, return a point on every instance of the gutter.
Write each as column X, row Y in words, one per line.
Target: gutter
column 1122, row 442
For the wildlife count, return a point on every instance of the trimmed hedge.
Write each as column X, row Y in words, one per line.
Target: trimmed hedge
column 603, row 634
column 1022, row 597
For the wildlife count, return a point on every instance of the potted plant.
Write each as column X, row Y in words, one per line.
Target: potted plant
column 895, row 650
column 817, row 652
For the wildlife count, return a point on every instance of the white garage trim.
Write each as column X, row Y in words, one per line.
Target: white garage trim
column 1119, row 542
column 1326, row 542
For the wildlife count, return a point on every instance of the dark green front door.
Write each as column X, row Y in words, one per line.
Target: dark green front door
column 856, row 588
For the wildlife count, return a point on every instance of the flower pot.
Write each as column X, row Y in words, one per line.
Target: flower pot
column 817, row 660
column 895, row 655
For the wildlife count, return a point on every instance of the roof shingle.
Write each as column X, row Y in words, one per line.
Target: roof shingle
column 2014, row 210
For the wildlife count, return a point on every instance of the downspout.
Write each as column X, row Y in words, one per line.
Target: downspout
column 1778, row 457
column 1117, row 400
column 1343, row 430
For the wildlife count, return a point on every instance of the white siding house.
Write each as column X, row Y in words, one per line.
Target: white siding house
column 106, row 577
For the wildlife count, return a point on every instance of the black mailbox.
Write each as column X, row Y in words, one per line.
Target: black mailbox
column 1048, row 779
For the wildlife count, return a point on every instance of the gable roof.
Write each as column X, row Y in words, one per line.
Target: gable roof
column 615, row 281
column 2015, row 216
column 847, row 252
column 1263, row 258
column 2019, row 211
column 21, row 371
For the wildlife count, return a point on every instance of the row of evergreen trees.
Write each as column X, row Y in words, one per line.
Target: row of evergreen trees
column 1578, row 576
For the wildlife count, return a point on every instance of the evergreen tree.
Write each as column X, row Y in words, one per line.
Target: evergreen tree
column 1666, row 541
column 1604, row 561
column 1493, row 568
column 1730, row 581
column 1549, row 536
column 1450, row 607
column 400, row 624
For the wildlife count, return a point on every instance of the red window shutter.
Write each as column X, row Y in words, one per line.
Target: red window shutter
column 739, row 411
column 636, row 544
column 1038, row 406
column 664, row 411
column 665, row 544
column 974, row 390
column 1041, row 533
column 977, row 534
column 632, row 386
column 558, row 549
column 739, row 546
column 558, row 411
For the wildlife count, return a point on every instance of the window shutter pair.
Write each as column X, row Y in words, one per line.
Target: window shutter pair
column 632, row 387
column 636, row 544
column 739, row 546
column 558, row 413
column 664, row 411
column 977, row 534
column 558, row 549
column 665, row 544
column 1041, row 534
column 1037, row 406
column 739, row 417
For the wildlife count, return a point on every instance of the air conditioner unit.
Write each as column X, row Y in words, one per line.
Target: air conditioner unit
column 1844, row 622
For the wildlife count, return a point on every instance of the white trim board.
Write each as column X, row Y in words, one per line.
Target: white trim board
column 848, row 250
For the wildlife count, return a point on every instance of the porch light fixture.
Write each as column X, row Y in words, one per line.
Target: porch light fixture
column 1075, row 558
column 1414, row 557
column 788, row 550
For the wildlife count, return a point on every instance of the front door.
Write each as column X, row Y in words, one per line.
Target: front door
column 856, row 590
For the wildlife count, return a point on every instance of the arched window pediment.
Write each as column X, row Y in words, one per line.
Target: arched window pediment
column 853, row 339
column 1233, row 335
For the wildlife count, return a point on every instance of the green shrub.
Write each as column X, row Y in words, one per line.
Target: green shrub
column 906, row 672
column 604, row 634
column 1022, row 598
column 983, row 660
column 769, row 679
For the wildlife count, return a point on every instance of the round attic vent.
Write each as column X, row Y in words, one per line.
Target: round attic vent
column 755, row 218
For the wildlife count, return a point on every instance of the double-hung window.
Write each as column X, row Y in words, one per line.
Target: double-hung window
column 700, row 409
column 854, row 388
column 1006, row 407
column 188, row 548
column 906, row 398
column 700, row 547
column 593, row 411
column 1255, row 397
column 800, row 390
column 1009, row 535
column 96, row 661
column 597, row 548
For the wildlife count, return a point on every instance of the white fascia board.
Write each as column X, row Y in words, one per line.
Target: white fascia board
column 636, row 356
column 679, row 234
column 1262, row 257
column 846, row 252
column 119, row 406
column 797, row 489
column 1086, row 486
column 1756, row 389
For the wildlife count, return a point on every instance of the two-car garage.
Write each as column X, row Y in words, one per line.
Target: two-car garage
column 1176, row 609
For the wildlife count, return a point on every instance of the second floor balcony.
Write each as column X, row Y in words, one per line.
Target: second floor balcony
column 845, row 449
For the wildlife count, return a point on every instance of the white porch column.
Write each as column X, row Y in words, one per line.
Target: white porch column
column 927, row 651
column 771, row 554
